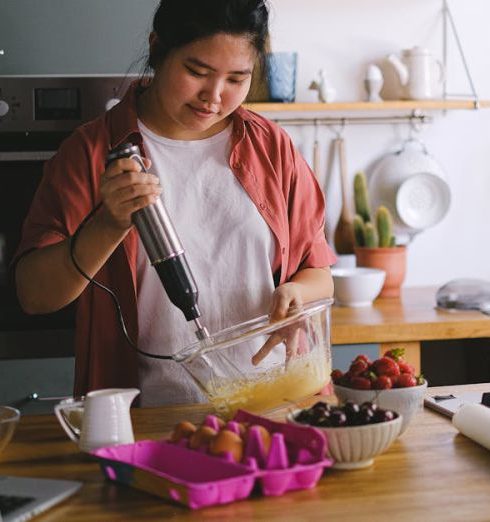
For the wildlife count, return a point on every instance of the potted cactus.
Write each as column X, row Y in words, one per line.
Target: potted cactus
column 375, row 245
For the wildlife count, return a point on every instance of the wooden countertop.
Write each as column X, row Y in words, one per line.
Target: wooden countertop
column 412, row 317
column 430, row 473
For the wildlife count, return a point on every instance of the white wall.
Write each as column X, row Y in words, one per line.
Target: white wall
column 343, row 36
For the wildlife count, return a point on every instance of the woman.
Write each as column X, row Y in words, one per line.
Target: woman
column 246, row 206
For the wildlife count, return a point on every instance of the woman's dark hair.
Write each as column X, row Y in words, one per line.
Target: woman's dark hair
column 179, row 22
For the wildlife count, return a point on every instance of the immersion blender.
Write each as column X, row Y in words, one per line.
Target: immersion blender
column 164, row 249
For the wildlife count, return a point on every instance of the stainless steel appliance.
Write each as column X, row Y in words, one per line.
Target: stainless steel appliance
column 36, row 114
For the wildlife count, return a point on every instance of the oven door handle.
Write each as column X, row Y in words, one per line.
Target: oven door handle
column 28, row 155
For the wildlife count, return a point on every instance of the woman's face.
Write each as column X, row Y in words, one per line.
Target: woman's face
column 197, row 86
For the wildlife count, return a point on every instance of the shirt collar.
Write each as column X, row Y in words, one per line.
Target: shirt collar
column 123, row 118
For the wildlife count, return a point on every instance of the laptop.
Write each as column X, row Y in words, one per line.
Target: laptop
column 449, row 404
column 22, row 498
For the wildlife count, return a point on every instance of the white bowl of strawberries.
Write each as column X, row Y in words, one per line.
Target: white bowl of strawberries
column 390, row 382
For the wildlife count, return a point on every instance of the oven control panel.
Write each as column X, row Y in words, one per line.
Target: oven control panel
column 57, row 103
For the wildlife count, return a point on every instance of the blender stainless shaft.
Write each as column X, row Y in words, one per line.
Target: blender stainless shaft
column 164, row 249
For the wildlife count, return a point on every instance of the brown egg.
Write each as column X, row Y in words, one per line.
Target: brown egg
column 264, row 435
column 182, row 430
column 202, row 437
column 227, row 442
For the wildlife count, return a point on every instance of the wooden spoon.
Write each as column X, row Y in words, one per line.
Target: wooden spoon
column 344, row 233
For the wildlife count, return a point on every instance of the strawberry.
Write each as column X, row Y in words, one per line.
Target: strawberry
column 406, row 368
column 358, row 366
column 360, row 383
column 396, row 354
column 362, row 357
column 386, row 366
column 382, row 383
column 336, row 376
column 406, row 380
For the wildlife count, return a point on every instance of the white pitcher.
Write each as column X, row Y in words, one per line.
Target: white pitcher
column 420, row 74
column 106, row 419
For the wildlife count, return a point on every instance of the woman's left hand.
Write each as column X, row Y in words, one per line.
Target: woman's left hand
column 284, row 298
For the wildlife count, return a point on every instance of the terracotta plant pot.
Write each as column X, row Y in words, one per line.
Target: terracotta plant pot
column 392, row 260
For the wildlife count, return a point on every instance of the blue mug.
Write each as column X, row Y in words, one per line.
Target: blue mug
column 281, row 76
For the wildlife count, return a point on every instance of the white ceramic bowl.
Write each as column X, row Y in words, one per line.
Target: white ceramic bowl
column 357, row 286
column 355, row 447
column 405, row 401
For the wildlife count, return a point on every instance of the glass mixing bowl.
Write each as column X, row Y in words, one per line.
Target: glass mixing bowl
column 9, row 417
column 258, row 365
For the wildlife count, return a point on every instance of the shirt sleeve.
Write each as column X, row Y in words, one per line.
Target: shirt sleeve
column 308, row 244
column 62, row 199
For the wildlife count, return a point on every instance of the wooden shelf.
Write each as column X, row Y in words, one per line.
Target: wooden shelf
column 395, row 105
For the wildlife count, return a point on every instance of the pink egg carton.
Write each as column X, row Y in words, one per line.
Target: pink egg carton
column 296, row 460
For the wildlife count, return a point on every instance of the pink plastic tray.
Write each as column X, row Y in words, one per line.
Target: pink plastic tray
column 196, row 479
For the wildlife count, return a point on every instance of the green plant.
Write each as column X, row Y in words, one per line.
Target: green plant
column 367, row 234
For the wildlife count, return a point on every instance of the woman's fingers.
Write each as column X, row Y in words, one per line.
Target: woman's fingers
column 126, row 188
column 279, row 306
column 264, row 351
column 292, row 344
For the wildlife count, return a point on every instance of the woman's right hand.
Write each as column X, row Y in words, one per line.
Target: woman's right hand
column 124, row 189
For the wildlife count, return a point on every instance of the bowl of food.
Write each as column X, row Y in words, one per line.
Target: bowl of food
column 357, row 286
column 389, row 382
column 260, row 365
column 9, row 417
column 355, row 433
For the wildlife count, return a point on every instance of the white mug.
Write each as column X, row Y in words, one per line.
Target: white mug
column 105, row 418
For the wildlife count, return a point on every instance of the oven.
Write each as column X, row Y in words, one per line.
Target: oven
column 36, row 114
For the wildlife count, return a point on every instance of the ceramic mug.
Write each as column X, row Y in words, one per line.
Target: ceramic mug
column 100, row 419
column 281, row 76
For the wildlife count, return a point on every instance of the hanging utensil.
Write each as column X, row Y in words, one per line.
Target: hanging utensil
column 316, row 153
column 344, row 235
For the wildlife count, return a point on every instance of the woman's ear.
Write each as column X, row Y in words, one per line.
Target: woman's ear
column 152, row 39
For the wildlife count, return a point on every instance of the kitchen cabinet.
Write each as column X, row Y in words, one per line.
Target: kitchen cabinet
column 47, row 377
column 414, row 323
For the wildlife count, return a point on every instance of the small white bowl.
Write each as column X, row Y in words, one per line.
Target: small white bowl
column 357, row 286
column 405, row 401
column 354, row 447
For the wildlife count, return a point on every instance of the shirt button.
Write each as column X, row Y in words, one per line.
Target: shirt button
column 262, row 206
column 283, row 250
column 237, row 165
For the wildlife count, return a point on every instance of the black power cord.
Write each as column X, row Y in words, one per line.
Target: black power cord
column 115, row 300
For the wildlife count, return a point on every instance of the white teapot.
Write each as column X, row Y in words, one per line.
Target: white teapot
column 421, row 75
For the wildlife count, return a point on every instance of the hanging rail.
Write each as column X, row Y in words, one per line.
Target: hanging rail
column 413, row 119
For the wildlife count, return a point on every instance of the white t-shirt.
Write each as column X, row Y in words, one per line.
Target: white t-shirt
column 228, row 246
